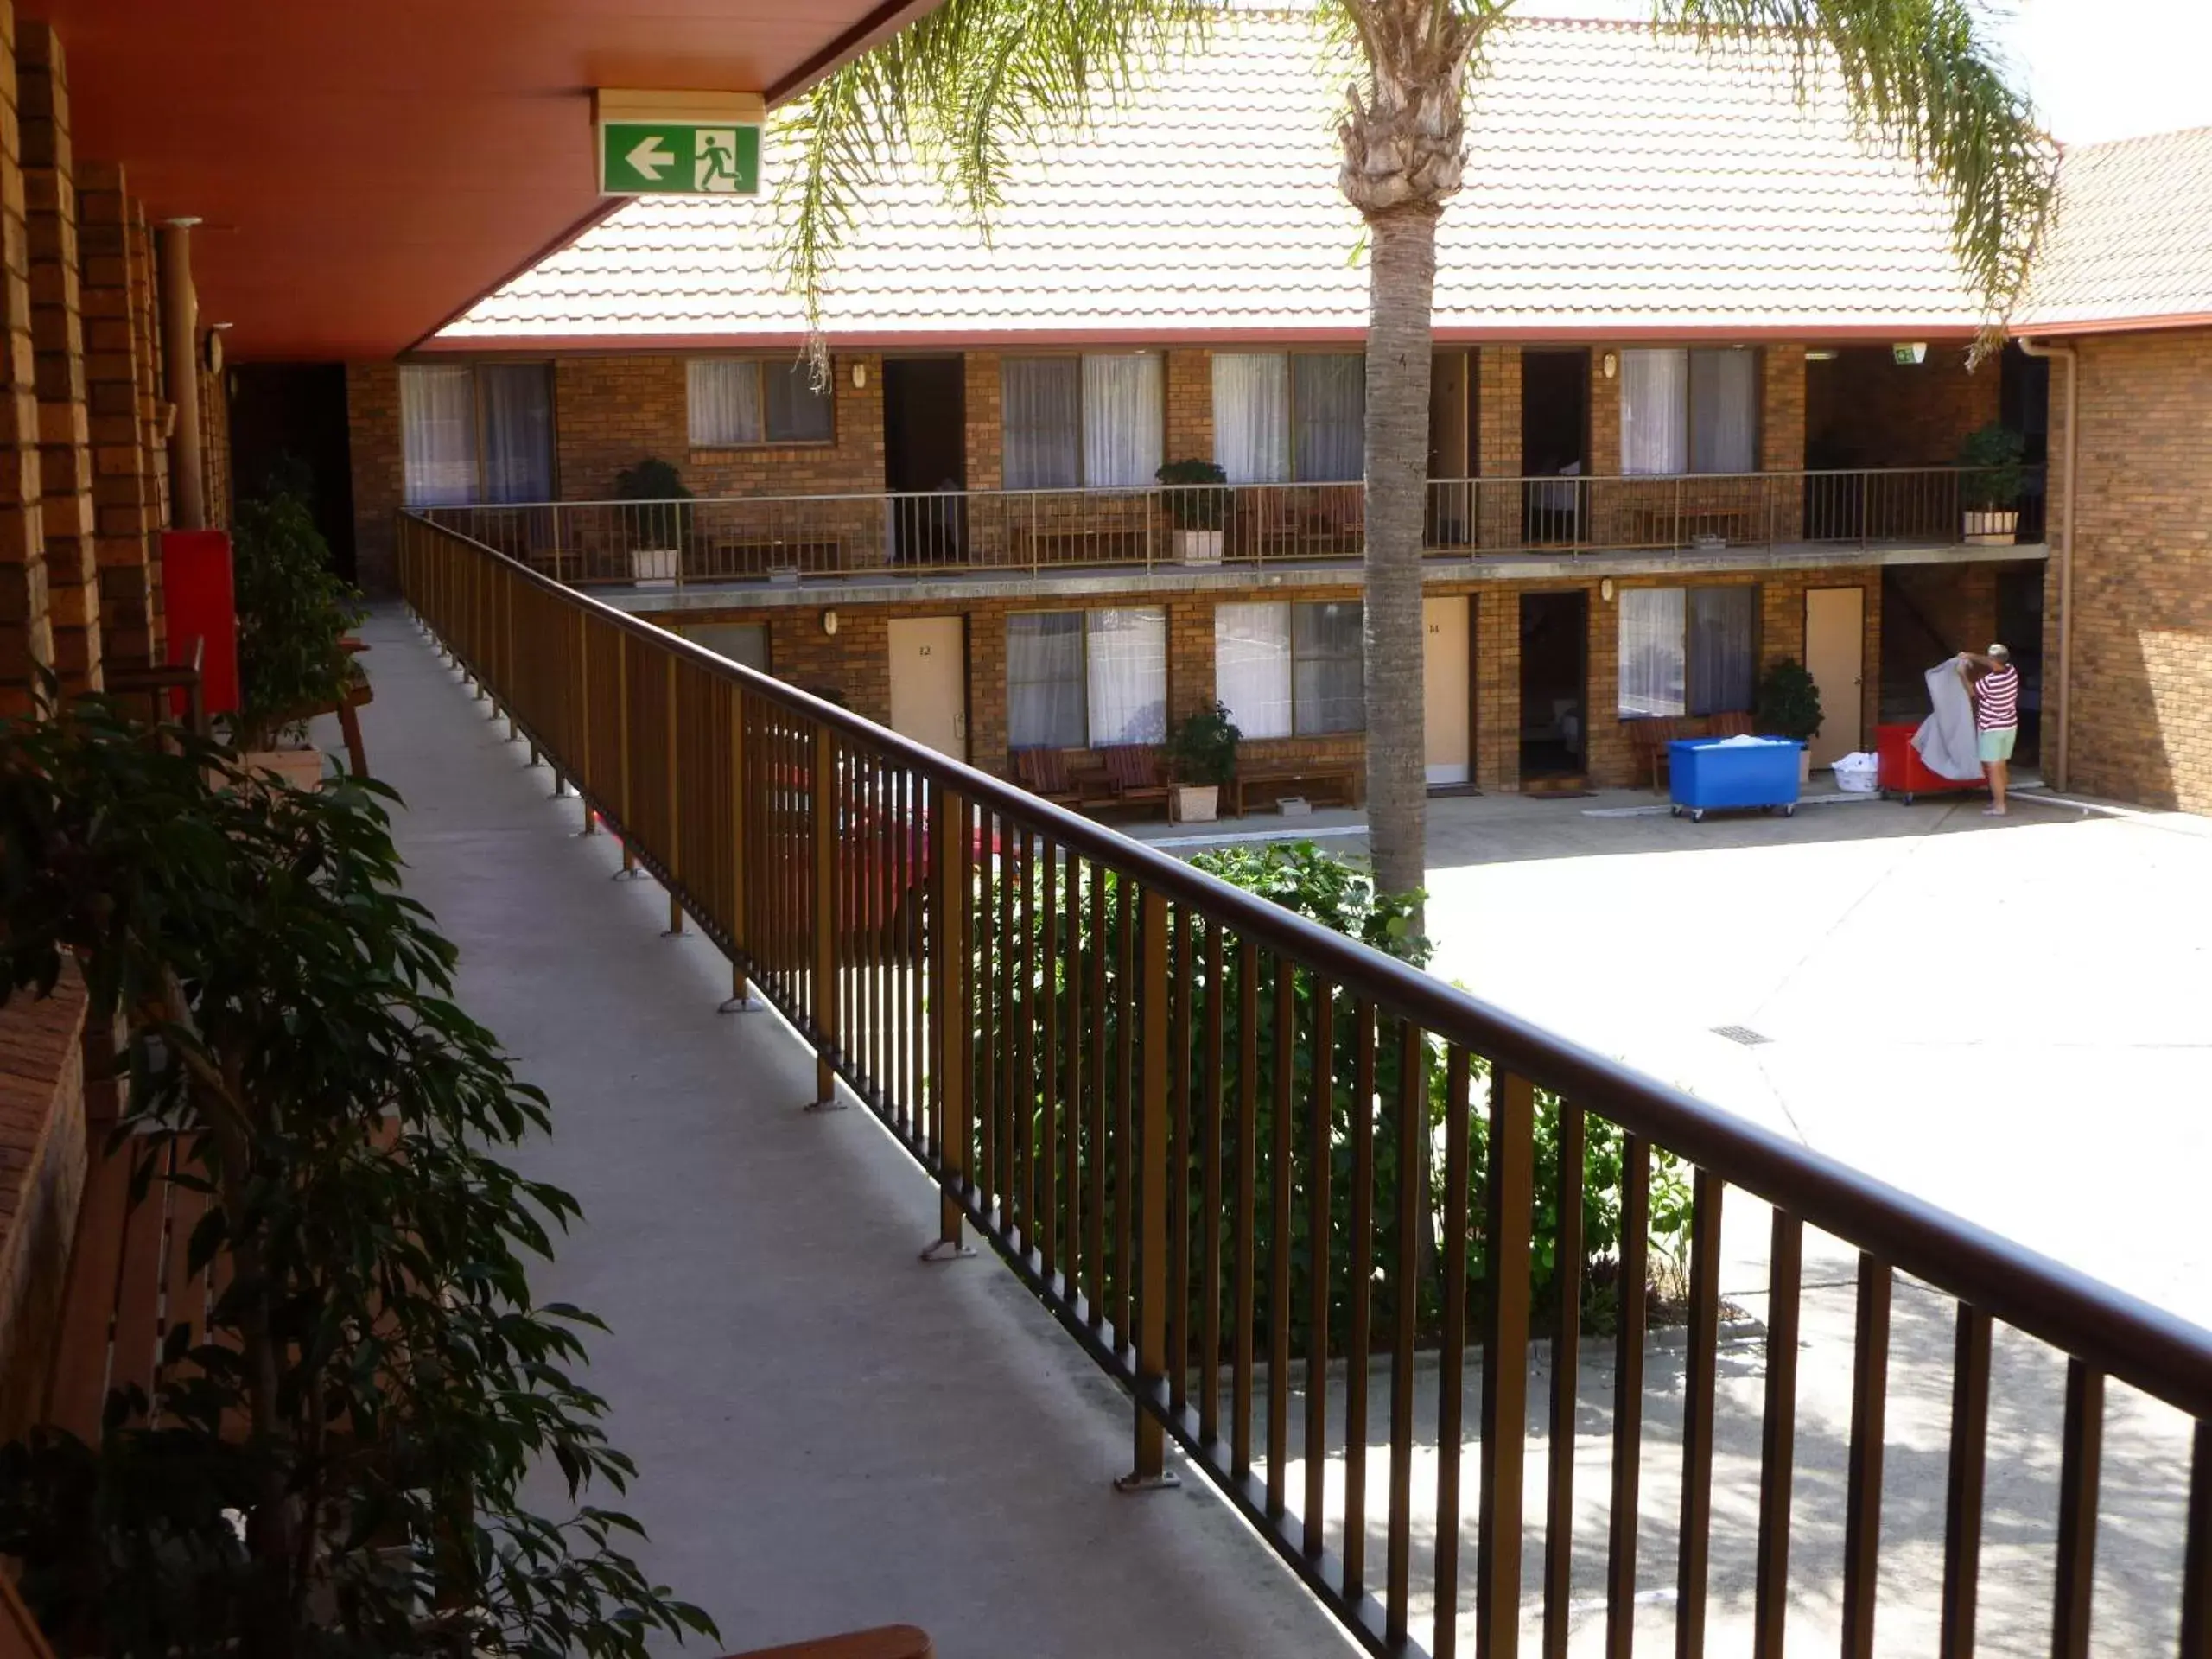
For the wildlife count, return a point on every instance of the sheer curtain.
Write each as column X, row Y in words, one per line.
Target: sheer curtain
column 1655, row 405
column 1041, row 403
column 1251, row 416
column 1124, row 403
column 1251, row 666
column 1043, row 681
column 724, row 394
column 1724, row 411
column 517, row 402
column 437, row 432
column 1128, row 677
column 1651, row 667
column 1331, row 403
column 796, row 412
column 1329, row 688
column 1722, row 668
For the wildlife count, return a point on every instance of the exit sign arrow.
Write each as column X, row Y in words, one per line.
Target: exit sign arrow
column 651, row 158
column 679, row 143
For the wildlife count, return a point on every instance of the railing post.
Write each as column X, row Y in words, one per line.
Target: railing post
column 740, row 860
column 673, row 854
column 580, row 775
column 622, row 753
column 1151, row 1471
column 825, row 920
column 947, row 1013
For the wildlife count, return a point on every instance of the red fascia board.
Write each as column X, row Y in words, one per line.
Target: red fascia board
column 941, row 340
column 2114, row 325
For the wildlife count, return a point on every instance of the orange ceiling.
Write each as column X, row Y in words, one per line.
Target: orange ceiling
column 364, row 170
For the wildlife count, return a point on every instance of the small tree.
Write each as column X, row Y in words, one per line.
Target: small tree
column 1197, row 493
column 1789, row 702
column 292, row 612
column 660, row 523
column 335, row 1465
column 1203, row 749
column 1993, row 477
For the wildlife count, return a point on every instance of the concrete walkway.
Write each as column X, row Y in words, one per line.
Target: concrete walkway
column 829, row 1434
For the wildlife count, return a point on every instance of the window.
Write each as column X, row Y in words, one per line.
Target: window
column 737, row 400
column 1098, row 678
column 743, row 643
column 1075, row 421
column 475, row 432
column 1687, row 650
column 1290, row 418
column 1689, row 412
column 1289, row 670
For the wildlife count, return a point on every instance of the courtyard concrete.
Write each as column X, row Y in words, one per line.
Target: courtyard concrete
column 830, row 1434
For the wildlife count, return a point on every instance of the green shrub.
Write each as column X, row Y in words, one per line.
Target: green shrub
column 660, row 523
column 1197, row 493
column 1788, row 702
column 1202, row 748
column 292, row 612
column 1994, row 477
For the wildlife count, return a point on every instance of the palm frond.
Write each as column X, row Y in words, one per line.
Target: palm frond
column 1919, row 74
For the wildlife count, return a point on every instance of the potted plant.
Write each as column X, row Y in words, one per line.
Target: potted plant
column 655, row 528
column 1990, row 486
column 1790, row 706
column 1202, row 757
column 293, row 616
column 1197, row 505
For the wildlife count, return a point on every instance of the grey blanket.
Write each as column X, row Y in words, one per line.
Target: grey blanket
column 1946, row 738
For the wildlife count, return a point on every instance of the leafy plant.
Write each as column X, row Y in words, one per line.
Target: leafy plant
column 1197, row 494
column 333, row 1466
column 292, row 612
column 1789, row 702
column 1994, row 476
column 660, row 523
column 1202, row 748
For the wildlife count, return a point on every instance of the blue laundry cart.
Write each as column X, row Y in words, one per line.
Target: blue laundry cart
column 1723, row 774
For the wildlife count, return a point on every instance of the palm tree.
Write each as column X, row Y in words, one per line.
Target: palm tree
column 969, row 87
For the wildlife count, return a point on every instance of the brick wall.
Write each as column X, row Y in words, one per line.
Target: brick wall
column 1864, row 408
column 154, row 414
column 986, row 449
column 122, row 487
column 1497, row 441
column 42, row 1153
column 379, row 470
column 58, row 334
column 2142, row 670
column 26, row 615
column 1189, row 406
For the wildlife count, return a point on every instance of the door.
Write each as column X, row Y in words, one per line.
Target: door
column 1835, row 645
column 1451, row 503
column 1554, row 681
column 1446, row 687
column 929, row 682
column 925, row 457
column 1554, row 444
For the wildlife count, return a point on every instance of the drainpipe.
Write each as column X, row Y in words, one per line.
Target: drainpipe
column 181, row 352
column 2066, row 464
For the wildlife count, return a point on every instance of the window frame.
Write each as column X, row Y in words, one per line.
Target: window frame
column 1689, row 690
column 1086, row 612
column 1687, row 411
column 472, row 364
column 1082, row 418
column 1290, row 608
column 1291, row 417
column 760, row 364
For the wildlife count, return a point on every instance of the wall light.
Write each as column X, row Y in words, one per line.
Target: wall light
column 1611, row 365
column 1605, row 590
column 860, row 375
column 1819, row 357
column 830, row 622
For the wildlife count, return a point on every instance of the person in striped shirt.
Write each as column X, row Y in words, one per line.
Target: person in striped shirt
column 1996, row 693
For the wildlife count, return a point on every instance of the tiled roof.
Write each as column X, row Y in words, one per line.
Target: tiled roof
column 1619, row 180
column 2131, row 238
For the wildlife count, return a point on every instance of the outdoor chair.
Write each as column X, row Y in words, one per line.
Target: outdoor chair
column 1133, row 772
column 1043, row 773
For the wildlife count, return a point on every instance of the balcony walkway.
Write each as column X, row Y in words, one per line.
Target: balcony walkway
column 829, row 1434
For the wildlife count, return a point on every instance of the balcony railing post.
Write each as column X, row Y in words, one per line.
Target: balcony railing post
column 826, row 919
column 950, row 878
column 580, row 776
column 739, row 853
column 1151, row 1468
column 672, row 856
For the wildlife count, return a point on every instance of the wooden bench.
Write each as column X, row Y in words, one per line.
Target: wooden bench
column 1340, row 779
column 1133, row 772
column 1648, row 741
column 1670, row 526
column 1043, row 773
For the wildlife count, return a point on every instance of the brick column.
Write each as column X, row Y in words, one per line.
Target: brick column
column 154, row 413
column 987, row 711
column 1782, row 434
column 1497, row 443
column 26, row 623
column 988, row 541
column 215, row 444
column 379, row 471
column 121, row 490
column 1497, row 687
column 57, row 335
column 1190, row 405
column 1190, row 670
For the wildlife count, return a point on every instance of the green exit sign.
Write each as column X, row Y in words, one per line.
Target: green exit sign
column 679, row 143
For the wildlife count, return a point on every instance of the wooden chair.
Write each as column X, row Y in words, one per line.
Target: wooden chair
column 1133, row 772
column 1043, row 773
column 1647, row 743
column 1734, row 724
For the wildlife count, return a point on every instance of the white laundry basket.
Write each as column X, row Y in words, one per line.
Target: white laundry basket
column 1858, row 774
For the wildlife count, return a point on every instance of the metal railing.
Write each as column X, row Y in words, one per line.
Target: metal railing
column 728, row 538
column 1181, row 1112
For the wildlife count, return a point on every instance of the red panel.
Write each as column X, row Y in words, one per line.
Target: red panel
column 196, row 593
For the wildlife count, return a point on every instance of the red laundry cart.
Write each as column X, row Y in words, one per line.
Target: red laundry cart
column 1904, row 774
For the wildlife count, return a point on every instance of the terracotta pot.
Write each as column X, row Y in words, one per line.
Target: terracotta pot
column 1196, row 803
column 301, row 768
column 1990, row 529
column 1198, row 546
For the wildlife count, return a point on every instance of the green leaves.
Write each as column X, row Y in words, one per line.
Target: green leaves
column 374, row 1382
column 292, row 612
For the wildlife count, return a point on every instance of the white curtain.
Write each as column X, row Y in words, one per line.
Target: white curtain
column 1251, row 417
column 725, row 400
column 438, row 434
column 1043, row 681
column 1124, row 406
column 796, row 412
column 1329, row 690
column 1331, row 401
column 1651, row 666
column 1128, row 677
column 1251, row 666
column 1721, row 631
column 517, row 403
column 1655, row 407
column 1041, row 414
column 1724, row 411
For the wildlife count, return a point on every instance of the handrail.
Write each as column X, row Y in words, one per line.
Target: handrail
column 812, row 788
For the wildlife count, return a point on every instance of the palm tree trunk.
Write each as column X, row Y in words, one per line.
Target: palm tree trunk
column 1401, row 282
